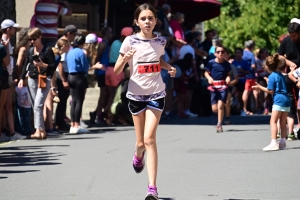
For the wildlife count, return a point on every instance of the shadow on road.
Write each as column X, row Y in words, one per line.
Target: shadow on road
column 166, row 199
column 212, row 120
column 27, row 156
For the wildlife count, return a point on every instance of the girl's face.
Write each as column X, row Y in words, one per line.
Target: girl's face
column 146, row 21
column 34, row 40
column 65, row 48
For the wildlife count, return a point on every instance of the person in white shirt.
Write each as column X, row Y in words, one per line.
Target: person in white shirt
column 9, row 30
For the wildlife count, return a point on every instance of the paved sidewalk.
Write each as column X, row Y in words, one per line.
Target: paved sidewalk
column 195, row 163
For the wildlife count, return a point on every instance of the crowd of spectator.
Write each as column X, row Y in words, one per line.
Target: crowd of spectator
column 44, row 68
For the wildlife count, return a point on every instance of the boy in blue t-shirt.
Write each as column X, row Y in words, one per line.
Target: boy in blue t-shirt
column 243, row 70
column 249, row 57
column 217, row 73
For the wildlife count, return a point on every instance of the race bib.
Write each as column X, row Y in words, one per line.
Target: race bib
column 149, row 69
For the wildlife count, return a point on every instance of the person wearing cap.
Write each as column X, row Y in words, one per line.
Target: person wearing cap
column 62, row 80
column 290, row 49
column 4, row 61
column 112, row 80
column 9, row 30
column 103, row 58
column 46, row 14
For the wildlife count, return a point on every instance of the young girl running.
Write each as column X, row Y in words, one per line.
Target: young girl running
column 281, row 102
column 146, row 89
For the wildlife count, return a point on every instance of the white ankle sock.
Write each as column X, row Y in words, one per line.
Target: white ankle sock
column 282, row 140
column 273, row 141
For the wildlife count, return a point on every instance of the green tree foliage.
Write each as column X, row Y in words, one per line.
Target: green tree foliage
column 260, row 20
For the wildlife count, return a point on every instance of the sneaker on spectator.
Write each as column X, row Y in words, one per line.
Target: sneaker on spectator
column 282, row 146
column 72, row 130
column 4, row 138
column 83, row 124
column 152, row 193
column 17, row 136
column 189, row 113
column 52, row 132
column 80, row 130
column 138, row 163
column 271, row 147
column 243, row 113
column 292, row 137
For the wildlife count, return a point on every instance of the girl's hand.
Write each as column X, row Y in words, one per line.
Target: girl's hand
column 127, row 56
column 20, row 84
column 99, row 66
column 256, row 87
column 266, row 79
column 293, row 66
column 298, row 84
column 172, row 72
column 40, row 64
column 227, row 80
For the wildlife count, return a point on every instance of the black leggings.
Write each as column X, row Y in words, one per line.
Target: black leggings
column 77, row 88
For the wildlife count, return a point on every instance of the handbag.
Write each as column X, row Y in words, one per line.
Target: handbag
column 42, row 80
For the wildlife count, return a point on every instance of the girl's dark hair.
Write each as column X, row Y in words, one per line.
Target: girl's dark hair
column 261, row 51
column 79, row 40
column 23, row 40
column 1, row 33
column 143, row 7
column 294, row 28
column 275, row 63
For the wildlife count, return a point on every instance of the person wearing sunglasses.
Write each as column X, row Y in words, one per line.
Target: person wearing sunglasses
column 217, row 73
column 44, row 65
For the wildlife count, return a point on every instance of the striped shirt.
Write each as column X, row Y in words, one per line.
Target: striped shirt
column 47, row 14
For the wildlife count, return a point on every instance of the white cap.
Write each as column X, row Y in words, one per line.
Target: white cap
column 91, row 38
column 295, row 20
column 8, row 23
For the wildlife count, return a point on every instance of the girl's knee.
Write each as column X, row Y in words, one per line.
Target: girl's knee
column 140, row 144
column 149, row 142
column 214, row 108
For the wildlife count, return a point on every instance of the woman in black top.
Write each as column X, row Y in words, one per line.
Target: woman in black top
column 44, row 65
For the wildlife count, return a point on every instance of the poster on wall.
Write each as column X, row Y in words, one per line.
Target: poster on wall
column 80, row 20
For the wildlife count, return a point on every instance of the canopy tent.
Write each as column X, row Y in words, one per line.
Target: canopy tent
column 97, row 2
column 194, row 10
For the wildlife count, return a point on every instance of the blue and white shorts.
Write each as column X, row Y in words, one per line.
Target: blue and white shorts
column 281, row 108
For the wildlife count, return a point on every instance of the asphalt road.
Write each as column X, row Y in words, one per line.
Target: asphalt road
column 195, row 163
